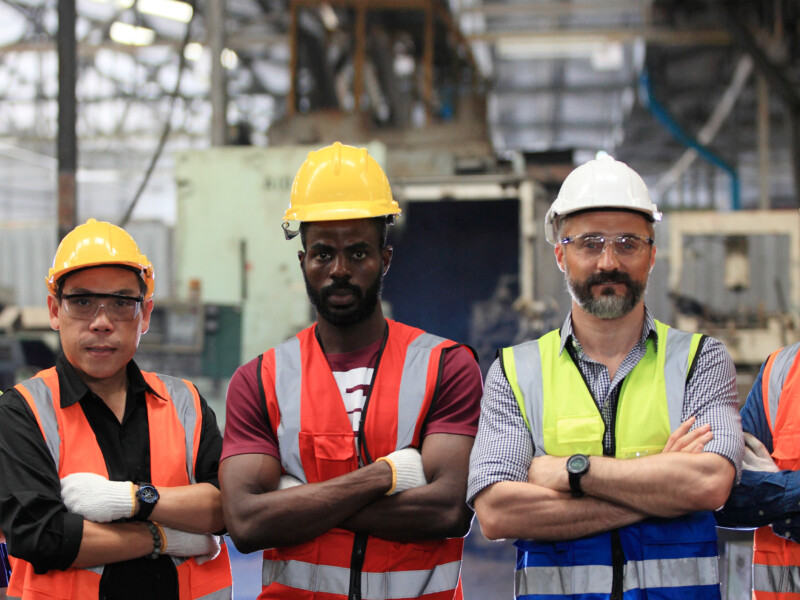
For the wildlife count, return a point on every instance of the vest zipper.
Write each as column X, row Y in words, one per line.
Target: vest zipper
column 356, row 564
column 617, row 565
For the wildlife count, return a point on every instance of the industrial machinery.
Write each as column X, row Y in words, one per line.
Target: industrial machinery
column 736, row 276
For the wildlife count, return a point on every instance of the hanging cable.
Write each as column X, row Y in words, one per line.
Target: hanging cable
column 168, row 124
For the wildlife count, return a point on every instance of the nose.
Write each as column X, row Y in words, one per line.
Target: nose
column 339, row 267
column 100, row 320
column 608, row 260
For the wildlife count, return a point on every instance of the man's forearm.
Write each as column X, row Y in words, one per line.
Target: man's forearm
column 511, row 509
column 424, row 513
column 105, row 543
column 194, row 508
column 664, row 485
column 257, row 518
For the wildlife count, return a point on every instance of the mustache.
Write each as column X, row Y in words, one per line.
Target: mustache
column 341, row 286
column 609, row 277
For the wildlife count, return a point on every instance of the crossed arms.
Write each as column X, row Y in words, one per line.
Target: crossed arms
column 258, row 515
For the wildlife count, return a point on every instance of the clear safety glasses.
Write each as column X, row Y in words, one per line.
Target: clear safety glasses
column 86, row 306
column 592, row 245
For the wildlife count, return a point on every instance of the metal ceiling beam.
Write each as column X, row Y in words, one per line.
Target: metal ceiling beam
column 67, row 117
column 557, row 9
column 654, row 35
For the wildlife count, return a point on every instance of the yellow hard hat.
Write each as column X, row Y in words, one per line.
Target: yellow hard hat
column 340, row 182
column 95, row 244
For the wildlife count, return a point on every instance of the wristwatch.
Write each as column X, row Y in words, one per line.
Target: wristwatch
column 577, row 467
column 148, row 496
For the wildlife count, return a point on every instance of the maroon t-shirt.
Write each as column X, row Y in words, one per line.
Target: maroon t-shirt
column 456, row 411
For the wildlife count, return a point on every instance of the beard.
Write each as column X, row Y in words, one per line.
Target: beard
column 608, row 305
column 362, row 308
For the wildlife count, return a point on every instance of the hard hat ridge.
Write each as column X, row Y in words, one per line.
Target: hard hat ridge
column 602, row 183
column 97, row 244
column 340, row 182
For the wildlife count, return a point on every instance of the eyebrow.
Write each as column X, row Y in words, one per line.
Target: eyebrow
column 121, row 292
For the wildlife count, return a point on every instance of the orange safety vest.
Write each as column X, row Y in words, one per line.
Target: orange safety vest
column 175, row 421
column 316, row 443
column 776, row 560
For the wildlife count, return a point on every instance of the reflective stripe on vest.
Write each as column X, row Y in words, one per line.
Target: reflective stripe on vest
column 316, row 443
column 374, row 586
column 212, row 580
column 596, row 579
column 524, row 364
column 540, row 378
column 776, row 560
column 288, row 381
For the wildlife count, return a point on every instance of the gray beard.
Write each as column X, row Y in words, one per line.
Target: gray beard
column 607, row 305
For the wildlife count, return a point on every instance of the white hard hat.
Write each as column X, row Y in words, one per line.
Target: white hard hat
column 597, row 184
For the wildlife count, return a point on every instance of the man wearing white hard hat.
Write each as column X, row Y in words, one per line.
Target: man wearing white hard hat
column 604, row 446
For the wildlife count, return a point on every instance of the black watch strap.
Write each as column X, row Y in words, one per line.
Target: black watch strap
column 577, row 467
column 147, row 497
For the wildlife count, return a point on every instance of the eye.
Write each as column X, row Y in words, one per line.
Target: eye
column 80, row 301
column 321, row 255
column 592, row 243
column 123, row 302
column 359, row 254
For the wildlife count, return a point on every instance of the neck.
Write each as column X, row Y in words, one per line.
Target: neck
column 608, row 341
column 113, row 391
column 336, row 339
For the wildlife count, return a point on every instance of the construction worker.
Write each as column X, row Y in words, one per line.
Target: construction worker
column 768, row 495
column 602, row 446
column 346, row 448
column 108, row 475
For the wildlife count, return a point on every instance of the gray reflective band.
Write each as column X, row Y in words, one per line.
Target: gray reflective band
column 412, row 386
column 676, row 367
column 596, row 579
column 776, row 579
column 780, row 369
column 43, row 399
column 288, row 380
column 528, row 362
column 374, row 586
column 223, row 594
column 183, row 399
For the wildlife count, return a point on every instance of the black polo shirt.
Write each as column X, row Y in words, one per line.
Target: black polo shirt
column 37, row 525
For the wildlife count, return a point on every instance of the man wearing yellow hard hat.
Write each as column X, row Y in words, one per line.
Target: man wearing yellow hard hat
column 346, row 447
column 108, row 474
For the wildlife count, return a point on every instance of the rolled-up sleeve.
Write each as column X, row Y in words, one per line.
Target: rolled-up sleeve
column 503, row 447
column 37, row 525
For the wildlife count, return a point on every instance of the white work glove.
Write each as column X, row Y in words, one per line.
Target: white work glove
column 756, row 456
column 97, row 498
column 407, row 470
column 288, row 481
column 203, row 546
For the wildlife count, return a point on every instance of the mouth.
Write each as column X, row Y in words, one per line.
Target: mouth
column 100, row 350
column 341, row 298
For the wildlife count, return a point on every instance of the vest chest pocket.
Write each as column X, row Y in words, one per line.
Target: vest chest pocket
column 327, row 455
column 577, row 434
column 787, row 449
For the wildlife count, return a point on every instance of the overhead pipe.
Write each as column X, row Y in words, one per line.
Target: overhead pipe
column 662, row 116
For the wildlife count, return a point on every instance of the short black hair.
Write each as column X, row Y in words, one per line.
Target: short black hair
column 381, row 223
column 61, row 280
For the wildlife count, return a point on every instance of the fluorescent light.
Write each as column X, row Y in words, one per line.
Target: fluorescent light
column 229, row 59
column 122, row 33
column 169, row 9
column 125, row 3
column 193, row 51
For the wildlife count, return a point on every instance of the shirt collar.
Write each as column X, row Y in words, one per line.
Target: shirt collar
column 648, row 329
column 73, row 389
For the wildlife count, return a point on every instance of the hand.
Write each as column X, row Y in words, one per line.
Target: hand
column 97, row 498
column 203, row 546
column 684, row 440
column 406, row 469
column 756, row 456
column 288, row 481
column 550, row 472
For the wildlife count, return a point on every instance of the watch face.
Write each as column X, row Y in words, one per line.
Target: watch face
column 578, row 463
column 148, row 494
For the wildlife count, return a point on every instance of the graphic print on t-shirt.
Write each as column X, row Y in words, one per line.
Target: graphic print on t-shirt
column 353, row 385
